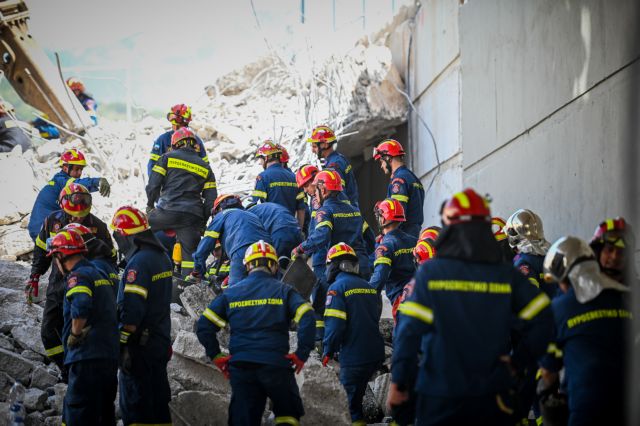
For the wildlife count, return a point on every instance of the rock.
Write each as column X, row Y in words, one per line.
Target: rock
column 31, row 355
column 6, row 381
column 4, row 413
column 53, row 421
column 15, row 312
column 49, row 151
column 324, row 398
column 15, row 275
column 195, row 375
column 371, row 409
column 175, row 387
column 177, row 308
column 180, row 322
column 380, row 390
column 386, row 329
column 19, row 367
column 42, row 378
column 200, row 408
column 35, row 399
column 34, row 419
column 6, row 343
column 188, row 346
column 195, row 299
column 56, row 400
column 14, row 240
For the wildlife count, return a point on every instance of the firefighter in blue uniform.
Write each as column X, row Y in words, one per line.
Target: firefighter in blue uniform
column 351, row 326
column 259, row 310
column 404, row 186
column 71, row 162
column 277, row 184
column 90, row 334
column 613, row 243
column 393, row 265
column 323, row 142
column 592, row 318
column 184, row 188
column 284, row 229
column 458, row 314
column 179, row 117
column 86, row 100
column 143, row 301
column 236, row 229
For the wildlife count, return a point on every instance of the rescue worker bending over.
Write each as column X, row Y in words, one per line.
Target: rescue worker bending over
column 180, row 182
column 179, row 116
column 259, row 310
column 86, row 100
column 591, row 322
column 612, row 241
column 90, row 334
column 276, row 183
column 393, row 265
column 143, row 301
column 218, row 271
column 404, row 186
column 71, row 162
column 236, row 228
column 75, row 201
column 351, row 326
column 458, row 314
column 323, row 142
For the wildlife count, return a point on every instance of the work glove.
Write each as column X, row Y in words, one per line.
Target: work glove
column 298, row 251
column 104, row 187
column 125, row 361
column 296, row 362
column 75, row 340
column 222, row 362
column 326, row 359
column 225, row 283
column 149, row 209
column 193, row 278
column 31, row 289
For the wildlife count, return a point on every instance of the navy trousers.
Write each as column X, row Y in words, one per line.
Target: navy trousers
column 91, row 393
column 355, row 379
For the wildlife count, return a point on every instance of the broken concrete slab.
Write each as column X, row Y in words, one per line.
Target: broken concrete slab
column 34, row 419
column 371, row 409
column 324, row 398
column 6, row 381
column 380, row 391
column 200, row 408
column 28, row 337
column 195, row 375
column 180, row 322
column 195, row 299
column 42, row 378
column 18, row 367
column 35, row 399
column 188, row 346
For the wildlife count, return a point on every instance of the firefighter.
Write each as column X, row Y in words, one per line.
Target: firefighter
column 180, row 182
column 72, row 162
column 236, row 228
column 86, row 100
column 218, row 271
column 323, row 142
column 423, row 251
column 179, row 116
column 404, row 186
column 458, row 314
column 143, row 302
column 611, row 242
column 393, row 265
column 351, row 326
column 75, row 201
column 277, row 184
column 284, row 156
column 12, row 131
column 592, row 319
column 259, row 310
column 497, row 226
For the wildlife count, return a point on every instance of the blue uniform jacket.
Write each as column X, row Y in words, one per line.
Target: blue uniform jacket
column 162, row 144
column 590, row 343
column 531, row 267
column 236, row 229
column 258, row 310
column 144, row 296
column 406, row 188
column 351, row 315
column 108, row 267
column 458, row 314
column 276, row 221
column 278, row 185
column 339, row 163
column 393, row 266
column 47, row 199
column 89, row 295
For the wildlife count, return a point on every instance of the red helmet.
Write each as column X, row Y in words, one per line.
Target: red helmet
column 423, row 251
column 66, row 243
column 329, row 179
column 322, row 134
column 260, row 250
column 305, row 174
column 75, row 83
column 613, row 231
column 269, row 150
column 339, row 250
column 388, row 147
column 84, row 232
column 430, row 234
column 183, row 136
column 284, row 155
column 180, row 114
column 497, row 224
column 75, row 200
column 467, row 206
column 226, row 201
column 72, row 156
column 390, row 210
column 129, row 220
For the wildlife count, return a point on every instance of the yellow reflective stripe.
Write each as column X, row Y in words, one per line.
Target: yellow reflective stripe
column 348, row 169
column 359, row 423
column 534, row 307
column 291, row 184
column 188, row 264
column 539, row 421
column 319, row 324
column 501, row 405
column 211, row 234
column 51, row 183
column 205, row 159
column 300, row 196
column 402, row 198
column 214, row 318
column 161, row 275
column 553, row 349
column 313, row 213
column 99, row 283
column 302, row 309
column 175, row 163
column 225, row 268
column 416, row 310
column 335, row 313
column 260, row 194
column 159, row 169
column 54, row 351
column 79, row 289
column 209, row 185
column 137, row 289
column 154, row 157
column 288, row 420
column 343, row 183
column 325, row 223
column 534, row 282
column 365, row 226
column 382, row 259
column 41, row 243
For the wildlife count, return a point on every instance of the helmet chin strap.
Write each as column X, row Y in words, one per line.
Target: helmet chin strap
column 387, row 164
column 60, row 263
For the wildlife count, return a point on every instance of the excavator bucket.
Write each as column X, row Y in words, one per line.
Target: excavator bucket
column 300, row 276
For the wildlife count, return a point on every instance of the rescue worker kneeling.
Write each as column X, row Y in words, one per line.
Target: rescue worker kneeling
column 90, row 334
column 259, row 310
column 351, row 321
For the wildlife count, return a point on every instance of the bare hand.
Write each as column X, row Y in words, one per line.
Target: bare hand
column 396, row 397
